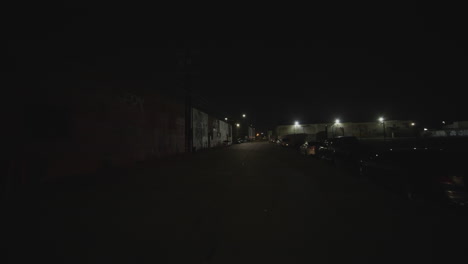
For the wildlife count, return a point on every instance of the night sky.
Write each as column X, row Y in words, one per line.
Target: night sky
column 354, row 68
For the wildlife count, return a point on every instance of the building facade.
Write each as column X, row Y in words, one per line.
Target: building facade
column 389, row 129
column 208, row 131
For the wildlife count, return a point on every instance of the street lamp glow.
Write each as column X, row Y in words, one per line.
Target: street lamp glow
column 337, row 121
column 296, row 123
column 225, row 118
column 413, row 124
column 238, row 125
column 243, row 115
column 381, row 119
column 425, row 129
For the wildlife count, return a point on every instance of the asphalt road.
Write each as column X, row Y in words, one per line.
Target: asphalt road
column 248, row 203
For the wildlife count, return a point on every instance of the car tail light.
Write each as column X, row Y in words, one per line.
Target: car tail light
column 445, row 180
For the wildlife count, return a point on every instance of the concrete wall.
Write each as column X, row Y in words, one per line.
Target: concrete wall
column 244, row 131
column 251, row 133
column 208, row 131
column 220, row 131
column 225, row 130
column 200, row 129
column 395, row 128
column 446, row 133
column 458, row 124
column 75, row 131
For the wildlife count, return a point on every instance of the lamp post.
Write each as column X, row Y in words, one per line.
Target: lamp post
column 337, row 122
column 382, row 120
column 333, row 127
column 296, row 123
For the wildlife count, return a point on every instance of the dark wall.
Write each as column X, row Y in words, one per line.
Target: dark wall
column 59, row 133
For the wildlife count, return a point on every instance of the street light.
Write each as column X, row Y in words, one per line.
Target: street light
column 296, row 124
column 243, row 115
column 333, row 128
column 337, row 122
column 382, row 120
column 238, row 125
column 413, row 124
column 225, row 118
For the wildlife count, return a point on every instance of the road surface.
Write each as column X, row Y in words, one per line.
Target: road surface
column 248, row 203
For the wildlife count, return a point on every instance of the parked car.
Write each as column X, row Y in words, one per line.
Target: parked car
column 238, row 141
column 425, row 173
column 342, row 149
column 309, row 148
column 285, row 142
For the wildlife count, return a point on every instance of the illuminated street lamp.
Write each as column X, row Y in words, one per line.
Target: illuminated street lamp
column 382, row 120
column 243, row 115
column 225, row 118
column 296, row 124
column 238, row 125
column 337, row 122
column 333, row 128
column 413, row 124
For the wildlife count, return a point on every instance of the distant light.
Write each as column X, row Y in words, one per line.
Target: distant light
column 258, row 134
column 413, row 124
column 443, row 122
column 337, row 121
column 225, row 118
column 238, row 125
column 243, row 115
column 381, row 119
column 296, row 123
column 262, row 133
column 376, row 155
column 425, row 129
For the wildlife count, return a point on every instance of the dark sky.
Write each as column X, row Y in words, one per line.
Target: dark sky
column 355, row 68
